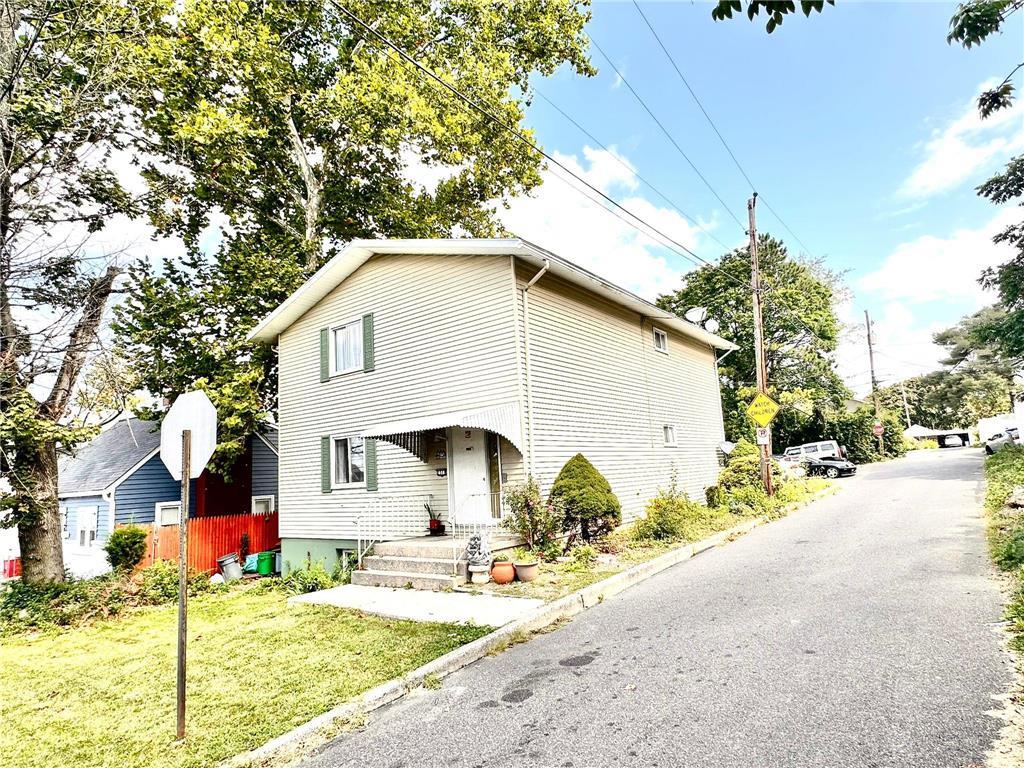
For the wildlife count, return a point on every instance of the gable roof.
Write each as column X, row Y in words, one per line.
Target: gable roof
column 358, row 252
column 102, row 461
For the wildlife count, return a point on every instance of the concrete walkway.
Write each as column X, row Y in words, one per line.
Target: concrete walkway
column 417, row 605
column 860, row 632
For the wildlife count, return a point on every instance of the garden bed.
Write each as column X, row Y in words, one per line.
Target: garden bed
column 624, row 549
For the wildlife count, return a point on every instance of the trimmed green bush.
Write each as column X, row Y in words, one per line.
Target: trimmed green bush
column 125, row 547
column 159, row 583
column 590, row 507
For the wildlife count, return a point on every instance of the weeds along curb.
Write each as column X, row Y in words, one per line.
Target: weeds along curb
column 326, row 725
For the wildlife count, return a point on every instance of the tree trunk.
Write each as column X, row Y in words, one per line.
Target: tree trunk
column 41, row 551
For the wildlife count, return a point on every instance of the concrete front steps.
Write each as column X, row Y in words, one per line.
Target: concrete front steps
column 420, row 563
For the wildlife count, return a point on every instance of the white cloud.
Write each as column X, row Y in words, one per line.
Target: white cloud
column 561, row 219
column 932, row 268
column 963, row 148
column 922, row 279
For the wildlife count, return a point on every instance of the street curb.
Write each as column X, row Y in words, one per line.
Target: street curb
column 510, row 634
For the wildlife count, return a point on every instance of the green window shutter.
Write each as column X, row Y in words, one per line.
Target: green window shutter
column 325, row 464
column 325, row 354
column 370, row 453
column 368, row 342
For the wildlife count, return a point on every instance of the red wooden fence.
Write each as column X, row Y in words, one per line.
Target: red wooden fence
column 212, row 537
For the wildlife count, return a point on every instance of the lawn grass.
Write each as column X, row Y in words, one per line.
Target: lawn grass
column 104, row 695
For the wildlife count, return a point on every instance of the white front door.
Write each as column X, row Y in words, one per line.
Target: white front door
column 470, row 481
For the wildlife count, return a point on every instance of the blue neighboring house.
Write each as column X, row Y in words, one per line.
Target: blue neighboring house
column 118, row 478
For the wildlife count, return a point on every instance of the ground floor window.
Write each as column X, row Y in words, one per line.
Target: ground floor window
column 87, row 517
column 168, row 512
column 262, row 505
column 347, row 458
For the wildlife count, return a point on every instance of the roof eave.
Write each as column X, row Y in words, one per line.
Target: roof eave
column 359, row 251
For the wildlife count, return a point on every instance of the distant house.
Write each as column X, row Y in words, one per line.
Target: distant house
column 432, row 373
column 118, row 478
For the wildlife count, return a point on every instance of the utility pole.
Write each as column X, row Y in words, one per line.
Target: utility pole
column 906, row 408
column 759, row 357
column 874, row 381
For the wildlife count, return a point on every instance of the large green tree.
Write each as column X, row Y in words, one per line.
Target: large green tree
column 801, row 330
column 64, row 82
column 299, row 131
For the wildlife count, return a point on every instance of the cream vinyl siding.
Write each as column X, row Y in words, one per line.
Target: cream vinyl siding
column 599, row 387
column 444, row 341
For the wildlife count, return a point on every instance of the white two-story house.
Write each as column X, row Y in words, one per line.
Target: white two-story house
column 432, row 373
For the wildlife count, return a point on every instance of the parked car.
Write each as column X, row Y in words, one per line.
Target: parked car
column 830, row 466
column 1008, row 436
column 952, row 441
column 815, row 450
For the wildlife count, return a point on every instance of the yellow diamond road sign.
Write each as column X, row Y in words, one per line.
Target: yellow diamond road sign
column 762, row 410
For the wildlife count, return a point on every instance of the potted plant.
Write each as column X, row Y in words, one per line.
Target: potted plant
column 502, row 572
column 526, row 564
column 434, row 526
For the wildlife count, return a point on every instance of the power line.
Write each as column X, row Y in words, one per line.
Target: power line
column 630, row 168
column 668, row 135
column 711, row 122
column 676, row 246
column 685, row 252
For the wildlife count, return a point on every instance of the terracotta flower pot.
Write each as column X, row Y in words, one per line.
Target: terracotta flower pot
column 503, row 573
column 527, row 571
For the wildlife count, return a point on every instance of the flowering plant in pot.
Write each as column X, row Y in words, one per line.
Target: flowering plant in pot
column 502, row 572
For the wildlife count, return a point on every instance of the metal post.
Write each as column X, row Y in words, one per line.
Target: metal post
column 760, row 364
column 186, row 473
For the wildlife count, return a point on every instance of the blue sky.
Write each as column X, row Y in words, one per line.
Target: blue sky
column 857, row 125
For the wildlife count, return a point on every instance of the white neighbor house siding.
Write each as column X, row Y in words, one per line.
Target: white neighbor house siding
column 444, row 341
column 598, row 387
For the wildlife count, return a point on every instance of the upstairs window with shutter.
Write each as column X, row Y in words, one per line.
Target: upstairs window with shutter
column 347, row 347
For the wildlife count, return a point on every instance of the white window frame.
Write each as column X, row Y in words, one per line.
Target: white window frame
column 269, row 497
column 333, row 351
column 158, row 512
column 334, row 468
column 660, row 340
column 79, row 517
column 668, row 435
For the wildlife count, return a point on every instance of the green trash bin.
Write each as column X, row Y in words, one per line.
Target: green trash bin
column 265, row 563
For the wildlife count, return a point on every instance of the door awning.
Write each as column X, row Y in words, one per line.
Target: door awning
column 409, row 434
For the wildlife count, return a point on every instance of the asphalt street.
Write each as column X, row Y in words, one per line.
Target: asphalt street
column 859, row 631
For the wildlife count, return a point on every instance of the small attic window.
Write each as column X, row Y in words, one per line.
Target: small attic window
column 660, row 340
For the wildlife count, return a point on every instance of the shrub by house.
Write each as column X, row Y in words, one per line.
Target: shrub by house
column 590, row 507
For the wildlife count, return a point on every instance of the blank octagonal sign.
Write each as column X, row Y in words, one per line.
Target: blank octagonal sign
column 193, row 411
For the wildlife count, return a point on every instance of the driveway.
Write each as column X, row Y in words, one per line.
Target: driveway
column 859, row 631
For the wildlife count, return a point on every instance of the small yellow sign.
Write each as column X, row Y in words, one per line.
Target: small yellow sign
column 762, row 410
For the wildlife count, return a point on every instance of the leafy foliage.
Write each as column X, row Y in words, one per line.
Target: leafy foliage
column 801, row 330
column 590, row 507
column 66, row 78
column 537, row 522
column 55, row 605
column 297, row 132
column 671, row 516
column 125, row 546
column 313, row 577
column 775, row 10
